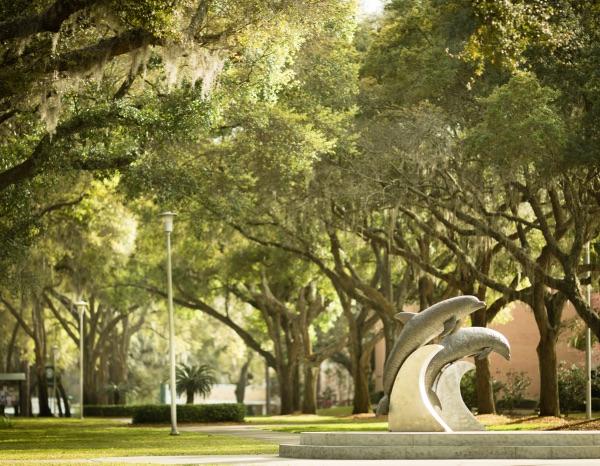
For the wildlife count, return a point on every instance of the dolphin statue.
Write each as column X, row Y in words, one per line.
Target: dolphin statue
column 442, row 318
column 469, row 341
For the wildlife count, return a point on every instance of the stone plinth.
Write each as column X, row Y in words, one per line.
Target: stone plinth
column 445, row 445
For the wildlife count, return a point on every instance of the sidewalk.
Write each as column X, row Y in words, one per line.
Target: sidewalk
column 273, row 460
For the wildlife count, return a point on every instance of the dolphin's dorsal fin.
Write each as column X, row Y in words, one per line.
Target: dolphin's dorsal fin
column 449, row 326
column 404, row 317
column 483, row 353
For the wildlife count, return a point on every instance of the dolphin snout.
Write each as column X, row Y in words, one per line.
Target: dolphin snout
column 504, row 352
column 479, row 304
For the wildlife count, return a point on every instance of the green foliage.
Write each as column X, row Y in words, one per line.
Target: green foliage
column 468, row 389
column 571, row 388
column 5, row 422
column 157, row 414
column 192, row 379
column 513, row 390
column 109, row 410
column 523, row 107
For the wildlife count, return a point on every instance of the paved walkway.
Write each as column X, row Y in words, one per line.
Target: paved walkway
column 246, row 431
column 273, row 460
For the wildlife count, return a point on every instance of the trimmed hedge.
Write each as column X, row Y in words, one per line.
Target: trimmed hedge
column 109, row 410
column 159, row 414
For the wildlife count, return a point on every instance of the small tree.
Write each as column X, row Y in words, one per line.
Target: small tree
column 194, row 379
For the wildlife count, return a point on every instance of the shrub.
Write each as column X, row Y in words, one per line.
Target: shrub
column 571, row 388
column 224, row 412
column 5, row 422
column 109, row 410
column 376, row 397
column 468, row 389
column 595, row 404
column 513, row 390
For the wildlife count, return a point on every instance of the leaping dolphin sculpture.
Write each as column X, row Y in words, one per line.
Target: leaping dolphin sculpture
column 442, row 318
column 469, row 341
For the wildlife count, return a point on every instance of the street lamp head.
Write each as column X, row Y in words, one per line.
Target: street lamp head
column 81, row 305
column 168, row 220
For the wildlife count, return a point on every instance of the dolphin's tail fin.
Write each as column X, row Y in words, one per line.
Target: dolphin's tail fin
column 384, row 406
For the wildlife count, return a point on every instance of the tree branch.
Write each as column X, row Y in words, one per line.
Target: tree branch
column 48, row 21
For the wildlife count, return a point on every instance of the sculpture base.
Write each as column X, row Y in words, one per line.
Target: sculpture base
column 445, row 445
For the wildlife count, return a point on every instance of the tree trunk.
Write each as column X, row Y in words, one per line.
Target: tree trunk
column 189, row 397
column 63, row 394
column 240, row 387
column 546, row 350
column 42, row 386
column 309, row 400
column 296, row 387
column 284, row 380
column 361, row 402
column 484, row 389
column 483, row 377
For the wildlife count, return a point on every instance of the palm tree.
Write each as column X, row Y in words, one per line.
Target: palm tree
column 194, row 379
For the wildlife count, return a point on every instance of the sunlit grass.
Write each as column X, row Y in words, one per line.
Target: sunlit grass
column 335, row 411
column 333, row 427
column 32, row 439
column 330, row 423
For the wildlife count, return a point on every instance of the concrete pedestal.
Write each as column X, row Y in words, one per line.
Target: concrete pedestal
column 445, row 445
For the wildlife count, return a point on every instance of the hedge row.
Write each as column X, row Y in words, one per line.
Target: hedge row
column 109, row 410
column 225, row 412
column 150, row 414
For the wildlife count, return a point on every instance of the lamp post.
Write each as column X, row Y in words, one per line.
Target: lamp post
column 81, row 306
column 588, row 343
column 168, row 226
column 54, row 352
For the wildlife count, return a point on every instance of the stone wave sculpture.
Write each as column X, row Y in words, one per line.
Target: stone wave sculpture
column 417, row 373
column 419, row 329
column 465, row 342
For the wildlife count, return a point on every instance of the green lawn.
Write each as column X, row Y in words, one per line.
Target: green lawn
column 328, row 423
column 31, row 439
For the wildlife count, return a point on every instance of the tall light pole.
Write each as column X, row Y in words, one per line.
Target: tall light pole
column 81, row 306
column 168, row 225
column 54, row 352
column 588, row 342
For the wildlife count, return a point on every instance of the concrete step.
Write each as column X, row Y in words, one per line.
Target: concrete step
column 479, row 439
column 360, row 452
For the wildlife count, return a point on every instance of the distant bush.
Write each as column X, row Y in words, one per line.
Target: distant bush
column 376, row 396
column 513, row 390
column 468, row 389
column 571, row 388
column 595, row 404
column 254, row 410
column 158, row 414
column 109, row 410
column 525, row 403
column 5, row 422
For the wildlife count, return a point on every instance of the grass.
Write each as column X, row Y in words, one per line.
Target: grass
column 34, row 439
column 329, row 423
column 332, row 427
